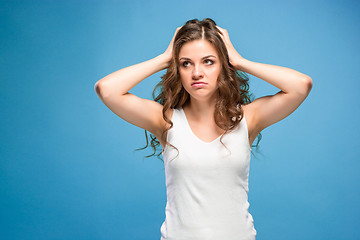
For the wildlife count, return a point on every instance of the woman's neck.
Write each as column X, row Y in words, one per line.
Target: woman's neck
column 200, row 110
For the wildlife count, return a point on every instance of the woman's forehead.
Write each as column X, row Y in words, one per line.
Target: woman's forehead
column 197, row 49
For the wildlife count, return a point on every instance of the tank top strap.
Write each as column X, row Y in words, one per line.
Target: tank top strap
column 176, row 120
column 176, row 116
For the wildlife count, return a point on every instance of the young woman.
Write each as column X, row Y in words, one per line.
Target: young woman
column 206, row 123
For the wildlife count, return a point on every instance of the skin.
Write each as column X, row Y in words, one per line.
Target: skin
column 199, row 61
column 147, row 114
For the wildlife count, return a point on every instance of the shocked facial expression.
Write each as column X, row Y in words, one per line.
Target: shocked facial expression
column 199, row 69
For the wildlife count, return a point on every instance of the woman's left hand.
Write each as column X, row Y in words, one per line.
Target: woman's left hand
column 234, row 56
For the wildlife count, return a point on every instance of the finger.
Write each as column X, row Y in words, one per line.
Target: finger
column 220, row 29
column 224, row 32
column 176, row 31
column 222, row 35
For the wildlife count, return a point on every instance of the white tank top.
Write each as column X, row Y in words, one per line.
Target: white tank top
column 206, row 186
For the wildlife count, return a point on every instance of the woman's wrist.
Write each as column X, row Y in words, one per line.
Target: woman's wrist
column 240, row 63
column 164, row 61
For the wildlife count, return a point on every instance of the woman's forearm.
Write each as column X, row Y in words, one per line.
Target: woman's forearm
column 286, row 79
column 121, row 81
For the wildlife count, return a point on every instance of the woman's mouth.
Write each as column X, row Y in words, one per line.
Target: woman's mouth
column 198, row 84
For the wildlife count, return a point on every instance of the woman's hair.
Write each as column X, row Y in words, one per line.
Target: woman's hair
column 233, row 86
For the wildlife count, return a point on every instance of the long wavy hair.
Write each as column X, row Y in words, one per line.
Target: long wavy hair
column 233, row 86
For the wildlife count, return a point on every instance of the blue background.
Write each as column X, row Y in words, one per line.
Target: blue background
column 68, row 168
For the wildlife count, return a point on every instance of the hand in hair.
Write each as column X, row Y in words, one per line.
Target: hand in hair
column 234, row 56
column 168, row 52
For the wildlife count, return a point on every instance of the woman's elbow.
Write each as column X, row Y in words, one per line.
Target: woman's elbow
column 97, row 88
column 100, row 89
column 307, row 83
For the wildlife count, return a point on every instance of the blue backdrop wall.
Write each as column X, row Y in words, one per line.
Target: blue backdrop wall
column 68, row 169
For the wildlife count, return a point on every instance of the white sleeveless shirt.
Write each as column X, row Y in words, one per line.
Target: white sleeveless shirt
column 206, row 185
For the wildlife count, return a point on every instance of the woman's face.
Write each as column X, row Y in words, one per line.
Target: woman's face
column 199, row 69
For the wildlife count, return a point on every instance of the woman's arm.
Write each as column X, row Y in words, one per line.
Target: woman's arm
column 295, row 87
column 120, row 82
column 286, row 79
column 113, row 92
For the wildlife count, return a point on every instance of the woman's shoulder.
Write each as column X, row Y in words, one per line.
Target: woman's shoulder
column 249, row 114
column 169, row 113
column 248, row 109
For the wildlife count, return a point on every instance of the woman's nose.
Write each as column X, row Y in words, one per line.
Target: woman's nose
column 197, row 72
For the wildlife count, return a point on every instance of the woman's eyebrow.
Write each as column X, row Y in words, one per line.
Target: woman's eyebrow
column 201, row 58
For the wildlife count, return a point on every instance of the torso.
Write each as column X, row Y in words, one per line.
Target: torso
column 202, row 130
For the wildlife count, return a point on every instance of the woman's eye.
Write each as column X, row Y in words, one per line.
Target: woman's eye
column 184, row 64
column 209, row 62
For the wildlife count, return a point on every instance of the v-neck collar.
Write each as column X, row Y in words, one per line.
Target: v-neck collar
column 191, row 131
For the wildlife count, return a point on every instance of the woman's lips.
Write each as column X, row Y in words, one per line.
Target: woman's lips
column 198, row 84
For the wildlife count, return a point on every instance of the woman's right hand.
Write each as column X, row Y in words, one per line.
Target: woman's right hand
column 168, row 52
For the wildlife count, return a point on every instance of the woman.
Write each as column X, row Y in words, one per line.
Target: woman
column 205, row 123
